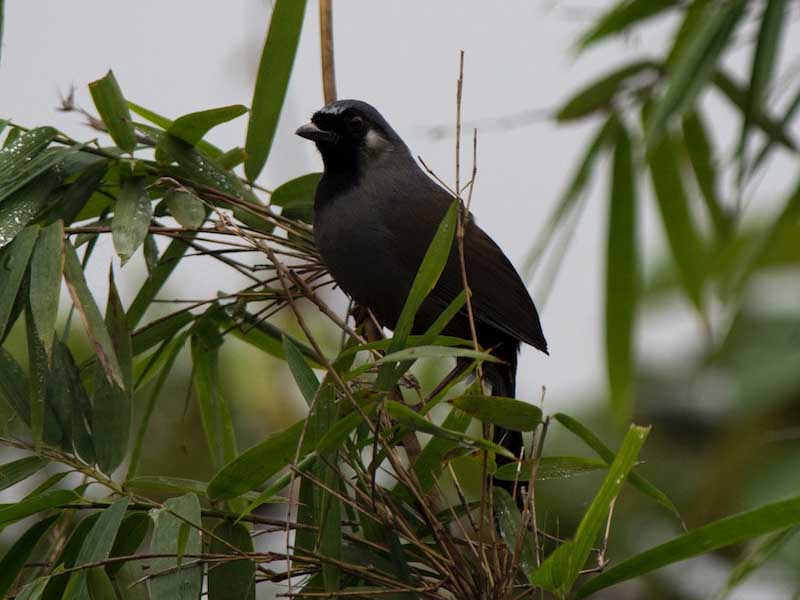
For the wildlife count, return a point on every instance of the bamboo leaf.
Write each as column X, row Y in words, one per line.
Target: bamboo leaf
column 695, row 66
column 685, row 244
column 560, row 570
column 18, row 554
column 274, row 69
column 296, row 197
column 47, row 263
column 164, row 123
column 623, row 15
column 90, row 315
column 11, row 513
column 185, row 582
column 604, row 452
column 14, row 387
column 132, row 532
column 22, row 206
column 187, row 208
column 509, row 524
column 621, row 276
column 303, row 374
column 13, row 264
column 508, row 413
column 717, row 534
column 132, row 214
column 550, row 467
column 19, row 470
column 599, row 94
column 23, row 159
column 232, row 580
column 114, row 111
column 193, row 127
column 431, row 460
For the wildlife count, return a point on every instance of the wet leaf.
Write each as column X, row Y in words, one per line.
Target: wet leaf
column 114, row 111
column 132, row 214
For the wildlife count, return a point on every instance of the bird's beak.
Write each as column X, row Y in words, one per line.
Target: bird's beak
column 311, row 132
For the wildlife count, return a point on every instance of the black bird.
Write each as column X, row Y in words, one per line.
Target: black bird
column 375, row 214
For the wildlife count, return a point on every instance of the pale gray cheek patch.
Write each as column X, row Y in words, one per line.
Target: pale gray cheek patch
column 374, row 140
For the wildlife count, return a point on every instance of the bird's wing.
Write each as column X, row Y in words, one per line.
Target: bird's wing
column 499, row 297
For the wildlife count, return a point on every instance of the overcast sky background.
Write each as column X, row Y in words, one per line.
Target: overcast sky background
column 182, row 55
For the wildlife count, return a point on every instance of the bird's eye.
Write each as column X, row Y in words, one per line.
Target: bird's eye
column 356, row 124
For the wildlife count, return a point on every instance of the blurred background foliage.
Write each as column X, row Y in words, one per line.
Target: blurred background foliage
column 725, row 417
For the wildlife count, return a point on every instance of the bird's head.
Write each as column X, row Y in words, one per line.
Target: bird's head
column 350, row 132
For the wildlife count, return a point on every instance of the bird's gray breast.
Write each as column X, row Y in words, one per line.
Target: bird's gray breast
column 355, row 245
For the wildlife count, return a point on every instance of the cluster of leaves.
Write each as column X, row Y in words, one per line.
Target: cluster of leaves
column 376, row 515
column 653, row 123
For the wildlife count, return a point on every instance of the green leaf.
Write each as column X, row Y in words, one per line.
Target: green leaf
column 431, row 460
column 99, row 585
column 165, row 123
column 701, row 157
column 695, row 65
column 90, row 315
column 187, row 208
column 45, row 289
column 19, row 470
column 713, row 536
column 132, row 214
column 22, row 160
column 97, row 546
column 14, row 387
column 508, row 413
column 621, row 276
column 166, row 485
column 685, row 243
column 509, row 524
column 193, row 127
column 277, row 59
column 550, row 467
column 132, row 532
column 19, row 553
column 71, row 391
column 623, row 15
column 131, row 581
column 303, row 374
column 599, row 94
column 755, row 558
column 22, row 206
column 112, row 403
column 160, row 330
column 764, row 60
column 268, row 338
column 296, row 197
column 40, row 375
column 407, row 417
column 434, row 352
column 200, row 169
column 425, row 280
column 604, row 452
column 214, row 410
column 13, row 263
column 777, row 131
column 114, row 111
column 560, row 570
column 232, row 158
column 167, row 582
column 11, row 513
column 257, row 464
column 232, row 580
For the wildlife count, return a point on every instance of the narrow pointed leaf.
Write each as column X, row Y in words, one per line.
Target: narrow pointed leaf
column 45, row 287
column 132, row 214
column 509, row 524
column 21, row 160
column 274, row 69
column 21, row 207
column 193, row 127
column 508, row 413
column 91, row 317
column 13, row 263
column 114, row 111
column 718, row 534
column 30, row 506
column 234, row 580
column 560, row 570
column 296, row 197
column 19, row 470
column 185, row 582
column 621, row 275
column 623, row 15
column 685, row 244
column 22, row 549
column 164, row 123
column 695, row 66
column 187, row 208
column 549, row 467
column 303, row 374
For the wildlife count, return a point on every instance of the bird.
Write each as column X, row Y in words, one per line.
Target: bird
column 376, row 211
